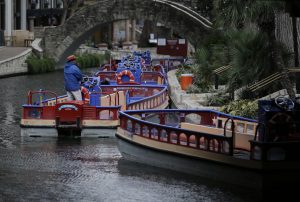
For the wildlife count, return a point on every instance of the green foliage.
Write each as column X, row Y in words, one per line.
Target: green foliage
column 239, row 14
column 208, row 59
column 246, row 94
column 243, row 108
column 251, row 57
column 107, row 56
column 253, row 43
column 193, row 89
column 90, row 60
column 219, row 99
column 37, row 65
column 184, row 69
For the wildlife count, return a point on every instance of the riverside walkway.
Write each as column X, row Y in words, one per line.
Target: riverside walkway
column 183, row 100
column 12, row 60
column 11, row 52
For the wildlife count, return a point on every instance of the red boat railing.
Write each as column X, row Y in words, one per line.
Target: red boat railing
column 38, row 109
column 146, row 76
column 172, row 134
column 154, row 96
column 45, row 109
column 109, row 112
column 153, row 76
column 41, row 93
column 111, row 75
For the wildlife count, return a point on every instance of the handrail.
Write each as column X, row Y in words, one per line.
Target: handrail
column 189, row 12
column 232, row 133
column 232, row 125
column 217, row 113
column 256, row 130
column 222, row 69
column 195, row 13
column 30, row 93
column 270, row 79
column 148, row 98
column 294, row 70
column 264, row 82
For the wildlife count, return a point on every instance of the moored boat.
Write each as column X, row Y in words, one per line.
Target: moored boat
column 105, row 94
column 260, row 154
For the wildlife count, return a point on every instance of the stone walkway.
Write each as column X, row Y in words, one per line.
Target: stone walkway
column 181, row 99
column 10, row 52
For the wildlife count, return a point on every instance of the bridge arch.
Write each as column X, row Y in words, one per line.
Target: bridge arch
column 62, row 40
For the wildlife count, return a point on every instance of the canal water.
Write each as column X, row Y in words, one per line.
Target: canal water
column 84, row 169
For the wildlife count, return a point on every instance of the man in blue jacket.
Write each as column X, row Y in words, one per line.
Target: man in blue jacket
column 73, row 77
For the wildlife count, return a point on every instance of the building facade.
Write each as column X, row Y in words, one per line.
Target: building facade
column 19, row 18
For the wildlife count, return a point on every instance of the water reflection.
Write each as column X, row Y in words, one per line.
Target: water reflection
column 180, row 186
column 9, row 113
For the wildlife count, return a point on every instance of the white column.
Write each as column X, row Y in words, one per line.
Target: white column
column 31, row 24
column 127, row 34
column 8, row 21
column 23, row 15
column 133, row 27
column 38, row 5
column 114, row 34
column 127, row 44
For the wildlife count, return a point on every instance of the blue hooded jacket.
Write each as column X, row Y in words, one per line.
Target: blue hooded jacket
column 72, row 76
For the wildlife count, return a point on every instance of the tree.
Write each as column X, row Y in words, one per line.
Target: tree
column 238, row 14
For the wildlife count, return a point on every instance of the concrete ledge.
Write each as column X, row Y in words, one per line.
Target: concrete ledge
column 181, row 99
column 15, row 65
column 36, row 46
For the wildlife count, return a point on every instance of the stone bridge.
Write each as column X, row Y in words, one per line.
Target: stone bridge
column 62, row 40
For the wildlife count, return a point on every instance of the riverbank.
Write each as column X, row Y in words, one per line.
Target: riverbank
column 183, row 100
column 12, row 61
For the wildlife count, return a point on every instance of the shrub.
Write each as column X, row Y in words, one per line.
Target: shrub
column 244, row 108
column 246, row 93
column 183, row 69
column 40, row 65
column 219, row 99
column 90, row 60
column 193, row 89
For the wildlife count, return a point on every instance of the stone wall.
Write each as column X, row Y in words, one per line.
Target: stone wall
column 63, row 40
column 15, row 65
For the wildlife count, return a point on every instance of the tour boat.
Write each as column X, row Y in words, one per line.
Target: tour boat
column 259, row 154
column 105, row 94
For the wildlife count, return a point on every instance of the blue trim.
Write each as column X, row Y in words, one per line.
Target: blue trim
column 218, row 113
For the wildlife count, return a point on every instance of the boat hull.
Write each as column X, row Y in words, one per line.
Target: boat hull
column 51, row 131
column 38, row 132
column 256, row 178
